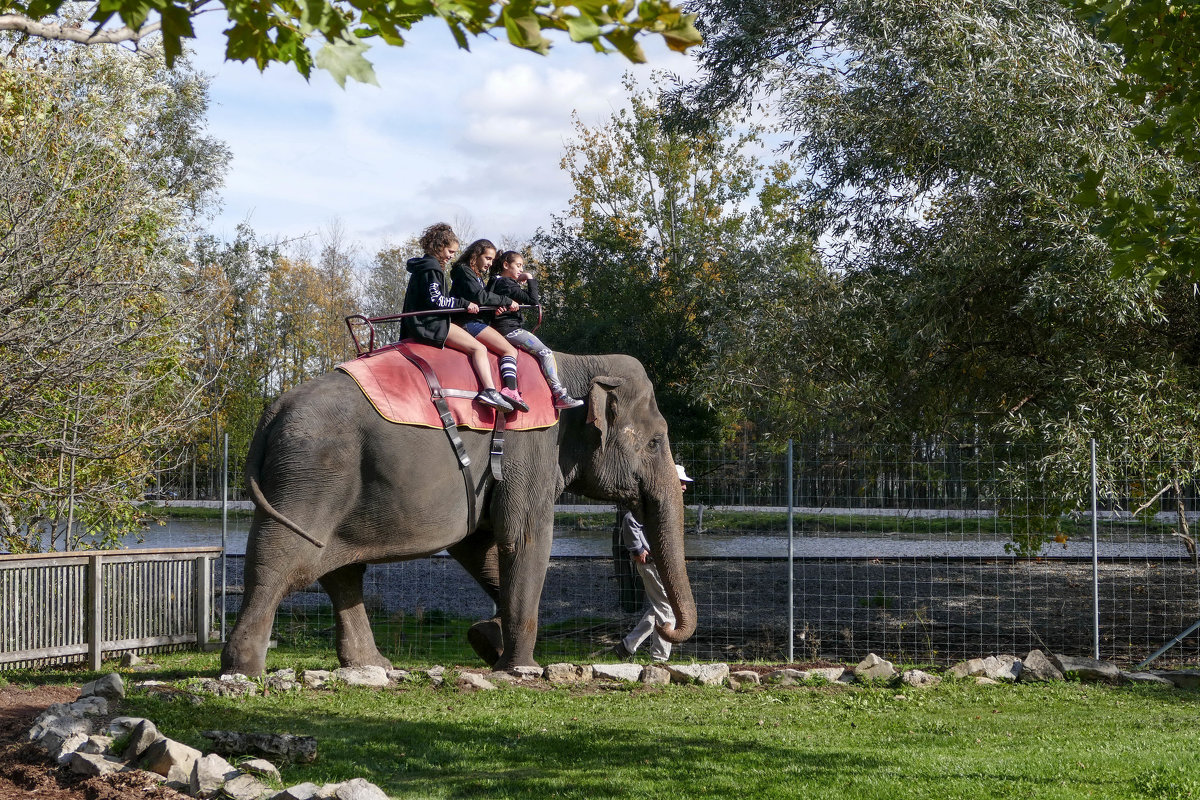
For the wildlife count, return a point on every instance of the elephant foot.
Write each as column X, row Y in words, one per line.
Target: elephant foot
column 233, row 661
column 487, row 640
column 366, row 661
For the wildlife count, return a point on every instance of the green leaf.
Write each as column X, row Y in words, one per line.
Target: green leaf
column 583, row 29
column 625, row 43
column 176, row 25
column 344, row 59
column 684, row 35
column 524, row 31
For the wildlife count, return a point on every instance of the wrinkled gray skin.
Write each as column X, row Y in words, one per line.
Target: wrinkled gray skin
column 325, row 462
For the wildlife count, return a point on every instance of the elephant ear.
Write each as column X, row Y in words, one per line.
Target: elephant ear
column 602, row 404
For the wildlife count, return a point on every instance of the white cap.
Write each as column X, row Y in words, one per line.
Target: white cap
column 683, row 476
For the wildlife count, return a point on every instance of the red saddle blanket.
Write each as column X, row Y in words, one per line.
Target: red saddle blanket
column 398, row 390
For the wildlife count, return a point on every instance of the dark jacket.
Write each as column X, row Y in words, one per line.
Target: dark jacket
column 468, row 287
column 426, row 291
column 509, row 321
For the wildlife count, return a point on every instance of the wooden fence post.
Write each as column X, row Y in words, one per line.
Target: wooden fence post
column 203, row 601
column 95, row 611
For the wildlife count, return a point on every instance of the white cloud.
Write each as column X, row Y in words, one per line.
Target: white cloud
column 446, row 134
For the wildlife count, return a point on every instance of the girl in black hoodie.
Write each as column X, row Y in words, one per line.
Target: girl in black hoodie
column 508, row 275
column 427, row 292
column 466, row 284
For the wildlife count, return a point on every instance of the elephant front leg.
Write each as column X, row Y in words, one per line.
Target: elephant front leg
column 523, row 564
column 355, row 641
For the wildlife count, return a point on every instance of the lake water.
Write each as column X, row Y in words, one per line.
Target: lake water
column 570, row 542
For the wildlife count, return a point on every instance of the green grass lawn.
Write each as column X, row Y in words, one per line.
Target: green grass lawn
column 957, row 740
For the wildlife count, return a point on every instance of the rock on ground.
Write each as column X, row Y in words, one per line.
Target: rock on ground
column 874, row 668
column 1037, row 668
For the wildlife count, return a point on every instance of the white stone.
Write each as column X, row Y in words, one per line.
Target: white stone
column 972, row 668
column 786, row 676
column 301, row 791
column 828, row 674
column 370, row 675
column 122, row 726
column 986, row 681
column 616, row 672
column 874, row 668
column 1086, row 669
column 525, row 672
column 96, row 745
column 1146, row 677
column 92, row 764
column 703, row 674
column 502, row 677
column 436, row 674
column 398, row 675
column 1037, row 668
column 209, row 774
column 473, row 680
column 656, row 675
column 1182, row 678
column 130, row 659
column 919, row 679
column 171, row 759
column 740, row 679
column 262, row 768
column 359, row 789
column 244, row 787
column 568, row 673
column 1002, row 668
column 144, row 734
column 283, row 680
column 109, row 686
column 316, row 678
column 64, row 749
column 91, row 706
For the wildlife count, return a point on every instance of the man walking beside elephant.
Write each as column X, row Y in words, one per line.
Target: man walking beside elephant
column 658, row 606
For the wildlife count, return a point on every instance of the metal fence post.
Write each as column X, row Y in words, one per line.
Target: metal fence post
column 224, row 529
column 791, row 562
column 1095, row 561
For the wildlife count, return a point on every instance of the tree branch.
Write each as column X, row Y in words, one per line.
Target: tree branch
column 71, row 33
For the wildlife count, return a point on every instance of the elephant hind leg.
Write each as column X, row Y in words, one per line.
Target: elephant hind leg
column 355, row 641
column 487, row 640
column 478, row 556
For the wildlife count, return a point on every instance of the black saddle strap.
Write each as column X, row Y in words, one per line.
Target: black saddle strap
column 496, row 461
column 438, row 395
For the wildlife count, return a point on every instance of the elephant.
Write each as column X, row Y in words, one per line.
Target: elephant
column 325, row 468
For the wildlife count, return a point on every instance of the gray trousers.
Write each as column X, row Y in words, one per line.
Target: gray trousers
column 658, row 612
column 533, row 345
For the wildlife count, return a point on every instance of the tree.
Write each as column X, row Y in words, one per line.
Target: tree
column 976, row 303
column 387, row 278
column 103, row 166
column 667, row 244
column 281, row 32
column 1154, row 230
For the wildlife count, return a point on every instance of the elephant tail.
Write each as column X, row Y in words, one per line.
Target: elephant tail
column 254, row 462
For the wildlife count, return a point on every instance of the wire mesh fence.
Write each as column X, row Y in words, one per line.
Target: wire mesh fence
column 921, row 553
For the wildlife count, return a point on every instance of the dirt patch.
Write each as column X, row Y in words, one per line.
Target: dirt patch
column 25, row 772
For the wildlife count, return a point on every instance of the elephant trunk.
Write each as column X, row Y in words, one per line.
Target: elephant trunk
column 664, row 519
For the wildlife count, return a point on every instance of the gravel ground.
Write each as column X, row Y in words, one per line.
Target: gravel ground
column 921, row 610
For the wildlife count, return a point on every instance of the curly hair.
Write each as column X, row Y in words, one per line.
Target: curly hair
column 437, row 236
column 473, row 249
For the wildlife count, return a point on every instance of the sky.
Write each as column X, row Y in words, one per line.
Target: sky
column 447, row 135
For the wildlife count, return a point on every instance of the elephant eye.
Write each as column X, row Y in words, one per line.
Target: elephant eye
column 653, row 444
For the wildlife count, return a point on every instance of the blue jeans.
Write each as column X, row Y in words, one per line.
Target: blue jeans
column 533, row 345
column 474, row 327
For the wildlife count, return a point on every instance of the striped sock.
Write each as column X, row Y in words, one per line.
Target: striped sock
column 508, row 372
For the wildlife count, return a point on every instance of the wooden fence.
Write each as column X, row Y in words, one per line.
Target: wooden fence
column 77, row 606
